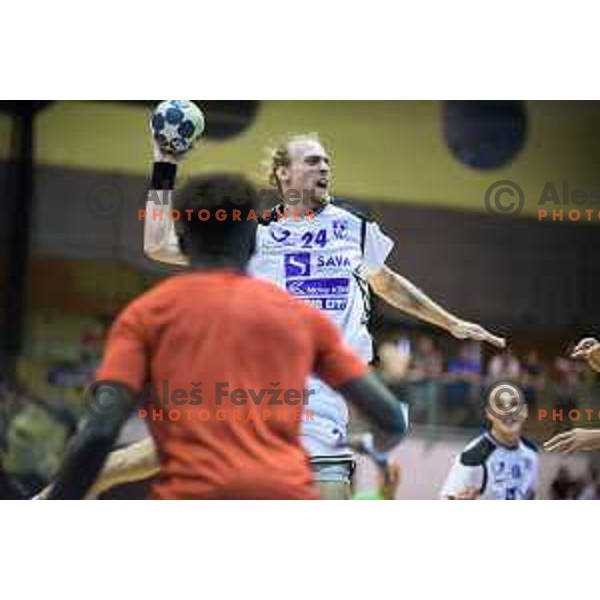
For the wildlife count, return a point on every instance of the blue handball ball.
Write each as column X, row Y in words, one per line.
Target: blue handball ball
column 176, row 125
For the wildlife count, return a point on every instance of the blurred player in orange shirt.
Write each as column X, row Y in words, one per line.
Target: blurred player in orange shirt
column 217, row 330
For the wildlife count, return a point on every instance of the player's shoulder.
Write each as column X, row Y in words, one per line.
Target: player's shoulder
column 270, row 215
column 149, row 303
column 170, row 285
column 189, row 287
column 261, row 285
column 477, row 452
column 345, row 206
column 529, row 445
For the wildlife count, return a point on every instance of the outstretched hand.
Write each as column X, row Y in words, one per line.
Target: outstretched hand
column 463, row 330
column 574, row 440
column 468, row 493
column 588, row 349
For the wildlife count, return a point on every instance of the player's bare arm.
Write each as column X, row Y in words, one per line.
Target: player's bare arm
column 575, row 440
column 133, row 463
column 160, row 239
column 579, row 439
column 89, row 449
column 401, row 293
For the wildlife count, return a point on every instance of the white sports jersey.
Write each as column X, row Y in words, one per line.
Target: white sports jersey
column 325, row 261
column 497, row 471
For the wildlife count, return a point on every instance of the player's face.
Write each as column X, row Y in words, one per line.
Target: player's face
column 309, row 169
column 510, row 429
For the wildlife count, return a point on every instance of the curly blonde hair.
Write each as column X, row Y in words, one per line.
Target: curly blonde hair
column 279, row 156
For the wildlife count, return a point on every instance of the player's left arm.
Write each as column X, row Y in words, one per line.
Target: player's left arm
column 89, row 449
column 401, row 293
column 406, row 296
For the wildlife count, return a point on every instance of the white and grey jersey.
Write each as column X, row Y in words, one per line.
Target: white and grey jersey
column 325, row 261
column 498, row 472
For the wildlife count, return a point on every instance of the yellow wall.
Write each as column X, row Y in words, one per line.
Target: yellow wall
column 391, row 151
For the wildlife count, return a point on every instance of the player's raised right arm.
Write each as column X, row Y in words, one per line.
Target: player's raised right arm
column 160, row 239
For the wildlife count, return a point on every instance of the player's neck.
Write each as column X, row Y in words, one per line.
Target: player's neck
column 301, row 206
column 509, row 441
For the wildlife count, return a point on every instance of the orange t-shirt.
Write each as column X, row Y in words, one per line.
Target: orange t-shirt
column 228, row 357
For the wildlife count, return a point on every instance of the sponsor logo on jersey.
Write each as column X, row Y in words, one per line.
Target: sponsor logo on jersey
column 335, row 261
column 297, row 264
column 327, row 303
column 340, row 229
column 281, row 236
column 338, row 286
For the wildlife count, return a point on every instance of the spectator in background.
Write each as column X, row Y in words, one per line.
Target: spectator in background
column 424, row 373
column 463, row 376
column 394, row 360
column 532, row 377
column 591, row 489
column 92, row 343
column 467, row 364
column 564, row 486
column 568, row 374
column 504, row 366
column 33, row 442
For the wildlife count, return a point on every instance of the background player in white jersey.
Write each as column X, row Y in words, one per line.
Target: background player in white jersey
column 498, row 465
column 579, row 438
column 331, row 258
